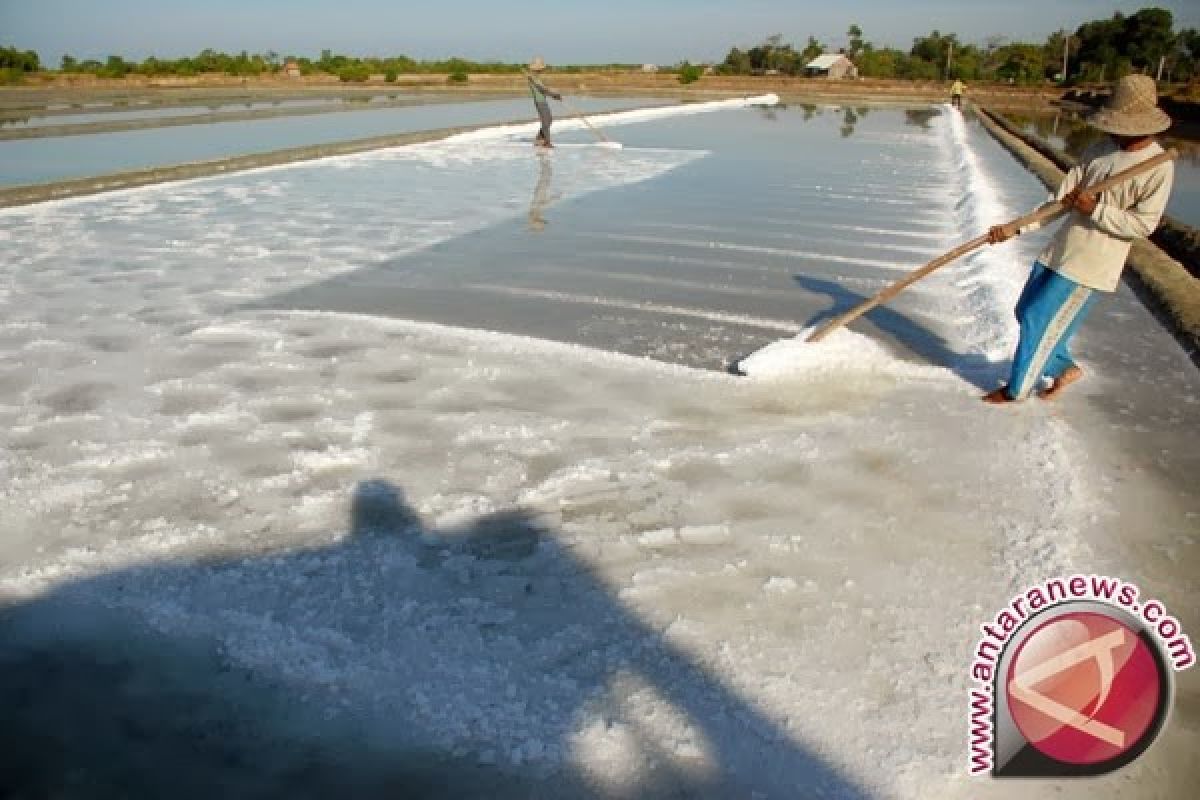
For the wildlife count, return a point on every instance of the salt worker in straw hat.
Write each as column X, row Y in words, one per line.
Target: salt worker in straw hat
column 540, row 93
column 1088, row 252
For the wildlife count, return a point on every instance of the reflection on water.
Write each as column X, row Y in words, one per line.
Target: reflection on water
column 770, row 113
column 1068, row 132
column 920, row 117
column 850, row 116
column 541, row 194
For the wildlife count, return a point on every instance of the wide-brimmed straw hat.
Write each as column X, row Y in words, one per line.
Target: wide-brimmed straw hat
column 537, row 65
column 1132, row 110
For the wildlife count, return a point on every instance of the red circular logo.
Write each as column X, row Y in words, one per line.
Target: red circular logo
column 1084, row 688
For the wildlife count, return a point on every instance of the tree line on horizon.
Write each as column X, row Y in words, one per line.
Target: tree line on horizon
column 1098, row 51
column 348, row 68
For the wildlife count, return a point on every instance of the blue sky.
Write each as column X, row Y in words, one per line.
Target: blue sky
column 661, row 31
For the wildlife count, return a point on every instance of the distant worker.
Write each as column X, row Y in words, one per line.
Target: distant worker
column 540, row 93
column 1088, row 252
column 956, row 93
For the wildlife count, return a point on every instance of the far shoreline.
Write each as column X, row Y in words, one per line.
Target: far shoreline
column 79, row 88
column 57, row 96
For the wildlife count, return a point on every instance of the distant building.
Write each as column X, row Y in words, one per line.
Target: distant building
column 649, row 68
column 834, row 66
column 291, row 69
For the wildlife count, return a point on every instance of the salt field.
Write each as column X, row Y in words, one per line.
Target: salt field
column 668, row 269
column 28, row 161
column 423, row 470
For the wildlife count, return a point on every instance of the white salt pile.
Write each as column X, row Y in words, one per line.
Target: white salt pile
column 842, row 351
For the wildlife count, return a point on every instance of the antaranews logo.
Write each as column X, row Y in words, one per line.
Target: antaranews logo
column 1074, row 677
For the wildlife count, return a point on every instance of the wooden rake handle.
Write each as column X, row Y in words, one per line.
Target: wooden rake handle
column 580, row 115
column 1042, row 214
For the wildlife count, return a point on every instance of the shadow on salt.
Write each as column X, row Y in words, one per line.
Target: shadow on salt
column 480, row 660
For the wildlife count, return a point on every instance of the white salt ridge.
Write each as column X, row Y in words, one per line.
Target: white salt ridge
column 639, row 305
column 750, row 248
column 653, row 540
column 704, row 534
column 331, row 460
column 692, row 535
column 991, row 269
column 778, row 584
column 617, row 118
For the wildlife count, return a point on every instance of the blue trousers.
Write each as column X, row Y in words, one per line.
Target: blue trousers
column 1050, row 309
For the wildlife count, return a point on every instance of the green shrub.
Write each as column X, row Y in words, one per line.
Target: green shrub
column 12, row 58
column 689, row 73
column 457, row 77
column 391, row 75
column 356, row 73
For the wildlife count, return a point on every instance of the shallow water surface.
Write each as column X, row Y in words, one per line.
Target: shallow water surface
column 121, row 113
column 768, row 220
column 29, row 161
column 1069, row 133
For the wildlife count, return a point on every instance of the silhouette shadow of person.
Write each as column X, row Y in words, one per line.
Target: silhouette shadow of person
column 480, row 658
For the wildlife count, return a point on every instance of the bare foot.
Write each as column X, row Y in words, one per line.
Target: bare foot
column 998, row 397
column 1069, row 376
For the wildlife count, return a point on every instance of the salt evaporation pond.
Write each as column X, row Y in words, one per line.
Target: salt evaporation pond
column 34, row 118
column 732, row 248
column 28, row 161
column 38, row 120
column 398, row 469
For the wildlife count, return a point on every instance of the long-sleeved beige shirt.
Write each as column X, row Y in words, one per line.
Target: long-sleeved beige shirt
column 1091, row 250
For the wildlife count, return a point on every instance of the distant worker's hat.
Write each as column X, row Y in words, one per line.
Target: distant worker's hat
column 537, row 65
column 1132, row 110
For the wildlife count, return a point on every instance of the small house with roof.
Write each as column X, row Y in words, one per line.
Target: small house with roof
column 834, row 66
